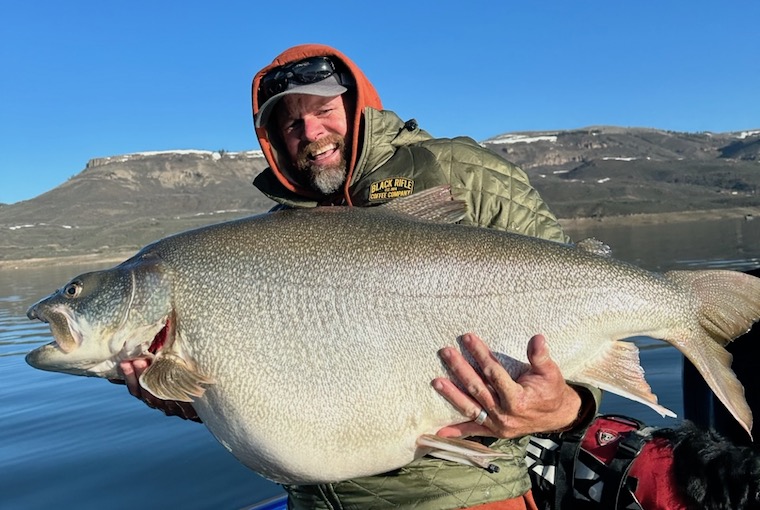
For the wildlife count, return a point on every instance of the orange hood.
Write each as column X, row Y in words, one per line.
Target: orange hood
column 365, row 93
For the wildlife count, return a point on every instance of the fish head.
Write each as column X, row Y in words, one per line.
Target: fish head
column 103, row 317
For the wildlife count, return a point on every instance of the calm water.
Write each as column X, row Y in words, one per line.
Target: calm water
column 74, row 442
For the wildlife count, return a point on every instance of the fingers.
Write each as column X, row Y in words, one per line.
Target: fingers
column 467, row 376
column 128, row 369
column 477, row 392
column 183, row 410
column 498, row 379
column 132, row 369
column 467, row 429
column 465, row 404
column 537, row 400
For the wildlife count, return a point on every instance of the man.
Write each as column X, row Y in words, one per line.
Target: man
column 368, row 156
column 322, row 129
column 328, row 141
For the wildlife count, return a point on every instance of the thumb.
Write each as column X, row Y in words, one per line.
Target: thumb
column 539, row 356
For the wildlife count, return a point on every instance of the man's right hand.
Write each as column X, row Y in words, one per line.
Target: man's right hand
column 131, row 370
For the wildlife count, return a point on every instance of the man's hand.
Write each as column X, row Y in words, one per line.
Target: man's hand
column 131, row 370
column 538, row 401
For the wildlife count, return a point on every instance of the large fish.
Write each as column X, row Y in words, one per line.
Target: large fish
column 307, row 339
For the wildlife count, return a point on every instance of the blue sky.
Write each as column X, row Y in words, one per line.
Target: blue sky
column 85, row 79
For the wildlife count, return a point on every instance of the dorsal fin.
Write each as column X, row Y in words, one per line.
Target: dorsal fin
column 595, row 246
column 434, row 204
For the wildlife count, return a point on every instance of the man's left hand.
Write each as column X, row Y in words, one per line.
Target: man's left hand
column 538, row 401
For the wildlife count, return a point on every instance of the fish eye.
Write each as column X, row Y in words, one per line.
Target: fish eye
column 72, row 289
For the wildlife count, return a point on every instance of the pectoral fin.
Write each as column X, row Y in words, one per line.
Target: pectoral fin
column 462, row 451
column 170, row 377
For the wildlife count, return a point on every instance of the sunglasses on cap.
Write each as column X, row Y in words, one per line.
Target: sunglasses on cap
column 304, row 72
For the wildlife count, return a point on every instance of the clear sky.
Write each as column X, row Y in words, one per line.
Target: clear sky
column 92, row 78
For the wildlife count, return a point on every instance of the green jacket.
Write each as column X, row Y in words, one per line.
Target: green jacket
column 399, row 158
column 425, row 484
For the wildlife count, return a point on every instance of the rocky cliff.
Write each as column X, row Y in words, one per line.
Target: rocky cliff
column 121, row 203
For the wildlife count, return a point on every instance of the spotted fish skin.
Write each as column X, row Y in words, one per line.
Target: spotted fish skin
column 308, row 339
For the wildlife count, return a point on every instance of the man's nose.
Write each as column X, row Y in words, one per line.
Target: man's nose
column 313, row 129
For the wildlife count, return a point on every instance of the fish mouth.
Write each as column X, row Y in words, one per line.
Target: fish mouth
column 68, row 354
column 67, row 336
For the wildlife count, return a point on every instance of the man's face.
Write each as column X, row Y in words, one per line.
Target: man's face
column 316, row 133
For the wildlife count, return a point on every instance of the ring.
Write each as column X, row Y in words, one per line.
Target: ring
column 481, row 417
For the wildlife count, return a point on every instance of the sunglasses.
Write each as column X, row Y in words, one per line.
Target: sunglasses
column 306, row 71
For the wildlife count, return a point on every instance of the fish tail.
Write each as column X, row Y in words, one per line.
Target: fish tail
column 728, row 304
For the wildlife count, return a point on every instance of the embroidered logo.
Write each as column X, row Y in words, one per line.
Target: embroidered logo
column 394, row 187
column 605, row 437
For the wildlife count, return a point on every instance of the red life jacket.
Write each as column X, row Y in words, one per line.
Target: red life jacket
column 614, row 464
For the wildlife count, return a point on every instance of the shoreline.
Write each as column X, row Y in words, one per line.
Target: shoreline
column 570, row 224
column 66, row 260
column 640, row 219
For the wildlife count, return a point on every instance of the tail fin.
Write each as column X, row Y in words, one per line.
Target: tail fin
column 729, row 303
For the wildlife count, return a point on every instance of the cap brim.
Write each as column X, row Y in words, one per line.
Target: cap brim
column 326, row 88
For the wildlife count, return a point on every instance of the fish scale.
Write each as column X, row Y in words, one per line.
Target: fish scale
column 312, row 335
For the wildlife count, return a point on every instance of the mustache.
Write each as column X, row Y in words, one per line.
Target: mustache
column 305, row 154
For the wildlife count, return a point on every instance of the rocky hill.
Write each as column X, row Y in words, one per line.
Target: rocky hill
column 119, row 204
column 607, row 171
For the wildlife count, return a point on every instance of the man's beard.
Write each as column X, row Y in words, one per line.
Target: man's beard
column 325, row 179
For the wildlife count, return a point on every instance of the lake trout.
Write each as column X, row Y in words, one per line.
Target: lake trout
column 307, row 340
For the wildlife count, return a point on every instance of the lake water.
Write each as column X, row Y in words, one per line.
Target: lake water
column 74, row 442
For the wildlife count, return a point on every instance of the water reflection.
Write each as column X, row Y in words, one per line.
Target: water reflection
column 727, row 244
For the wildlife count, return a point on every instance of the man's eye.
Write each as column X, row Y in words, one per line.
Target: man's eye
column 291, row 126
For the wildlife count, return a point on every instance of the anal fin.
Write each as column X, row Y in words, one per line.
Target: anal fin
column 620, row 372
column 170, row 377
column 462, row 451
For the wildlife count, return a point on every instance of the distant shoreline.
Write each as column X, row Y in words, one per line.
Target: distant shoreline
column 569, row 224
column 637, row 220
column 67, row 260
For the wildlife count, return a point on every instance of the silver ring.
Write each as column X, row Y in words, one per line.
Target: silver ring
column 481, row 417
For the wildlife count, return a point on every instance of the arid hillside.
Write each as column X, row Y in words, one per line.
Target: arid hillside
column 119, row 204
